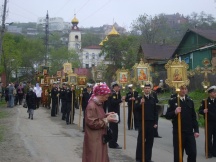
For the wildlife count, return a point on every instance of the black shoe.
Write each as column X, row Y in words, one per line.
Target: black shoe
column 83, row 130
column 210, row 156
column 32, row 118
column 157, row 136
column 117, row 147
column 67, row 123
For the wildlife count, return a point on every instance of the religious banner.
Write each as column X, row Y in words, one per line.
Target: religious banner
column 72, row 79
column 122, row 76
column 67, row 68
column 82, row 80
column 141, row 73
column 176, row 73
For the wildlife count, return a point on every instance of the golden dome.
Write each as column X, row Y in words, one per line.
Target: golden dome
column 113, row 32
column 75, row 20
column 105, row 39
column 101, row 43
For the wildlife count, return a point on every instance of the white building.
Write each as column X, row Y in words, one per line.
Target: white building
column 91, row 56
column 55, row 23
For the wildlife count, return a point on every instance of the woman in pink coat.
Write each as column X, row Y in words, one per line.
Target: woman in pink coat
column 96, row 122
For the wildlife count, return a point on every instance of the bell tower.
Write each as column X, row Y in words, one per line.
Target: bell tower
column 75, row 35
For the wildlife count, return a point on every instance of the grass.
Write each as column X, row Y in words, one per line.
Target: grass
column 3, row 114
column 197, row 96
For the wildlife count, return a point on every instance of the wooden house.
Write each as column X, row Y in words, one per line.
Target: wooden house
column 156, row 55
column 196, row 45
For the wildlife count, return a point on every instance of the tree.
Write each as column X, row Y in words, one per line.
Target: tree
column 60, row 56
column 11, row 56
column 121, row 51
column 89, row 39
column 150, row 28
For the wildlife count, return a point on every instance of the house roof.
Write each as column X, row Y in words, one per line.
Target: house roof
column 93, row 47
column 208, row 34
column 156, row 51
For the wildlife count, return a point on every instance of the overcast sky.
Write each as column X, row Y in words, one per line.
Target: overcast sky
column 95, row 13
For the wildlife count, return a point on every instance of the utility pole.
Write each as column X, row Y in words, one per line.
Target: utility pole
column 3, row 28
column 47, row 38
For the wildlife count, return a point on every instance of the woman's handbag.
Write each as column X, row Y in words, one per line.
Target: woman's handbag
column 107, row 137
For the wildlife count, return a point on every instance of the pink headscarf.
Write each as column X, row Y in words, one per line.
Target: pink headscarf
column 99, row 90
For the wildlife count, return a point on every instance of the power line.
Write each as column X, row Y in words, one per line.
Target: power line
column 82, row 6
column 97, row 10
column 61, row 8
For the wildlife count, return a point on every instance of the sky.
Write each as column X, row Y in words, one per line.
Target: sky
column 96, row 13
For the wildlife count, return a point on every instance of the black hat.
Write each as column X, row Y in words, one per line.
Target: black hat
column 113, row 84
column 211, row 89
column 64, row 83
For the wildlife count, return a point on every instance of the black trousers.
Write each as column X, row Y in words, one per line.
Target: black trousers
column 212, row 138
column 114, row 128
column 63, row 108
column 38, row 102
column 134, row 121
column 69, row 115
column 54, row 106
column 149, row 140
column 20, row 98
column 188, row 144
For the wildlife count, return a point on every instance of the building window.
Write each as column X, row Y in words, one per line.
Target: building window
column 76, row 38
column 93, row 56
column 87, row 65
column 187, row 60
column 87, row 55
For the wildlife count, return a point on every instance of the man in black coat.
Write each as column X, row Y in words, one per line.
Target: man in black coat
column 150, row 122
column 70, row 108
column 210, row 110
column 131, row 97
column 114, row 106
column 85, row 98
column 189, row 124
column 154, row 94
column 63, row 95
column 54, row 97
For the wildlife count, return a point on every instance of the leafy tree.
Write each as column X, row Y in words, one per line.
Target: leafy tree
column 11, row 56
column 89, row 39
column 60, row 56
column 150, row 28
column 121, row 51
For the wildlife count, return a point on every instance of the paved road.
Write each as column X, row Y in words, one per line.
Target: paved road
column 51, row 140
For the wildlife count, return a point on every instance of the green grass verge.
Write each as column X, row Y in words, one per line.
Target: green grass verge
column 3, row 114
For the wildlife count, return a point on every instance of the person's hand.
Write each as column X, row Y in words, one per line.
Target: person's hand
column 132, row 98
column 177, row 110
column 81, row 95
column 123, row 98
column 107, row 114
column 155, row 126
column 196, row 135
column 110, row 119
column 205, row 110
column 142, row 100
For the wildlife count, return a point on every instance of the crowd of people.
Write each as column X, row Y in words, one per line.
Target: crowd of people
column 101, row 116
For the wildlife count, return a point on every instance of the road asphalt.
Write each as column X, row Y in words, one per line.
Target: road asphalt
column 49, row 139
